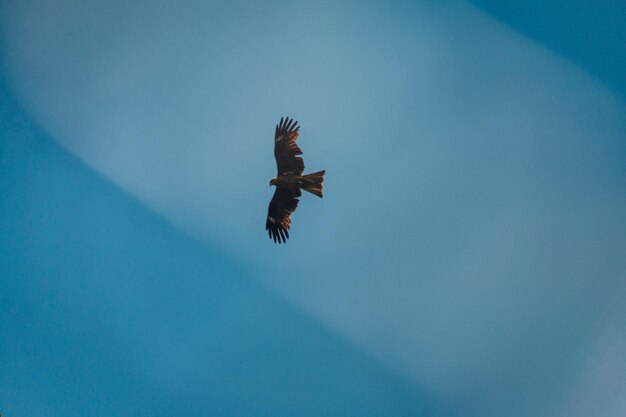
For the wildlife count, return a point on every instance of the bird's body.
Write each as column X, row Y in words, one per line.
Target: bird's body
column 289, row 180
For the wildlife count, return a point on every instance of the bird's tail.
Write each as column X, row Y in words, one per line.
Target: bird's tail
column 314, row 183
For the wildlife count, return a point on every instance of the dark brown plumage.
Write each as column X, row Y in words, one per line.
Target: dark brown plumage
column 289, row 180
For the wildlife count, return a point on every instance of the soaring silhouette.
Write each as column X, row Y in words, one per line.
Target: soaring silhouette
column 289, row 180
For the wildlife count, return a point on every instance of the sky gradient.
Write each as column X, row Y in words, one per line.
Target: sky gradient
column 467, row 258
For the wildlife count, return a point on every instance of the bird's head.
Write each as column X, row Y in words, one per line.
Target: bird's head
column 273, row 181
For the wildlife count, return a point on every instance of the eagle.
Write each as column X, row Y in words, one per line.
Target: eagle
column 289, row 180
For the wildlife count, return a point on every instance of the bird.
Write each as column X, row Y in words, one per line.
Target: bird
column 289, row 180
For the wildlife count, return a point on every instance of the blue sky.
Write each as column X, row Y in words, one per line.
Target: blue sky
column 467, row 258
column 107, row 309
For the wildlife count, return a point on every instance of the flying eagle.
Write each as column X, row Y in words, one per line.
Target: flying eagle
column 289, row 180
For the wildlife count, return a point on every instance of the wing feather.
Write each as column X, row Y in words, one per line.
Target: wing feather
column 284, row 202
column 286, row 150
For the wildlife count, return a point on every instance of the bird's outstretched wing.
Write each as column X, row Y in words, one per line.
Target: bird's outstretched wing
column 284, row 202
column 286, row 150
